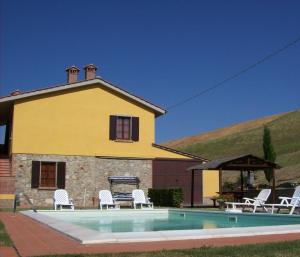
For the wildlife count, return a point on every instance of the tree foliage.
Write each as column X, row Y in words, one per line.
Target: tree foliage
column 269, row 152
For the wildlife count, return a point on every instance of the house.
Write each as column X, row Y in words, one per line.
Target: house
column 76, row 135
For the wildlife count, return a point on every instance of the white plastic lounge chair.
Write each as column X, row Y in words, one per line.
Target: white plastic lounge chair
column 258, row 201
column 105, row 198
column 287, row 202
column 61, row 199
column 140, row 199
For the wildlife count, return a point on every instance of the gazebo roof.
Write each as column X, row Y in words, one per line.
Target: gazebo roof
column 240, row 162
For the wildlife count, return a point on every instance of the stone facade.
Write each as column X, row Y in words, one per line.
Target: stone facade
column 85, row 175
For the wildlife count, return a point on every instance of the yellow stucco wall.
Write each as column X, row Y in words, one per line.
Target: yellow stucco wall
column 210, row 182
column 77, row 123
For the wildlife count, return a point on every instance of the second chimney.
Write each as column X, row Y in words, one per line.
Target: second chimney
column 90, row 71
column 72, row 73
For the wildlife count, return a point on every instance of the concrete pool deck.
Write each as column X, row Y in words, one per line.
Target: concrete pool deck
column 89, row 236
column 32, row 238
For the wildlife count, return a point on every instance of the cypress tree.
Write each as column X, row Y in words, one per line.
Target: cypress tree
column 269, row 152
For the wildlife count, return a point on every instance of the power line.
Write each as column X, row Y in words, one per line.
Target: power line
column 239, row 73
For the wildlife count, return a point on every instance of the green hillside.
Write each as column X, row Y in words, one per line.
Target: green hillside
column 285, row 131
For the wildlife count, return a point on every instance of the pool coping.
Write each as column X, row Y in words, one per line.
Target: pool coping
column 89, row 236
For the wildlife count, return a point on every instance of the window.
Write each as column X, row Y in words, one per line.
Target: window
column 124, row 128
column 50, row 175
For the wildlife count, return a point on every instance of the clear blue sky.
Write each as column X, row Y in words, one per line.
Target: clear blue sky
column 163, row 51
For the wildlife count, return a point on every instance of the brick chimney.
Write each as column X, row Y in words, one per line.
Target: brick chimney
column 16, row 92
column 72, row 73
column 90, row 71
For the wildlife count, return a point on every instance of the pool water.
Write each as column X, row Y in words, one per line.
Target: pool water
column 138, row 221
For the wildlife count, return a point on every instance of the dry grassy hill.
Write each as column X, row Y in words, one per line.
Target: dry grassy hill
column 246, row 138
column 237, row 128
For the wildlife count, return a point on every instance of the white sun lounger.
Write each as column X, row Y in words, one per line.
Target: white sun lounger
column 258, row 201
column 105, row 198
column 140, row 199
column 61, row 199
column 287, row 202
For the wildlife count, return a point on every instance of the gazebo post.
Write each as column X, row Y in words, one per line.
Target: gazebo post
column 220, row 181
column 273, row 185
column 192, row 188
column 242, row 182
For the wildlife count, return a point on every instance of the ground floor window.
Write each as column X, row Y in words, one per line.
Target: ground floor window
column 48, row 175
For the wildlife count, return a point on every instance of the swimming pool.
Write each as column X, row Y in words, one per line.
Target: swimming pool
column 94, row 226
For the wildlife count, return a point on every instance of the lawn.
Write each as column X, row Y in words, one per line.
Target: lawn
column 283, row 249
column 4, row 238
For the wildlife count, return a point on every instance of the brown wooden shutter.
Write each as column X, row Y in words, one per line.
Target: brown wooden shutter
column 35, row 174
column 112, row 127
column 61, row 175
column 135, row 129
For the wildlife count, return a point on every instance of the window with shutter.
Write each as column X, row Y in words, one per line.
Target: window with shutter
column 48, row 175
column 112, row 127
column 135, row 129
column 61, row 175
column 35, row 174
column 124, row 128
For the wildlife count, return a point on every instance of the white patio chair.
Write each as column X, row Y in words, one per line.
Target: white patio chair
column 287, row 202
column 61, row 199
column 140, row 199
column 258, row 201
column 105, row 198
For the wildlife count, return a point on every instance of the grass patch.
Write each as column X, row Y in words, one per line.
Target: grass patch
column 4, row 237
column 289, row 159
column 286, row 249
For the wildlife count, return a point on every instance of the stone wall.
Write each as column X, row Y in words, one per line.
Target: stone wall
column 84, row 176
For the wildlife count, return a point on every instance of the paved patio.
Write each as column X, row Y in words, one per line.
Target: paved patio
column 7, row 252
column 33, row 239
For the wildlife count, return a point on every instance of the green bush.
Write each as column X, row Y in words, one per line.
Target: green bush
column 171, row 197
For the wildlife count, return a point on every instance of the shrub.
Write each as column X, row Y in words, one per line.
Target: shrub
column 229, row 186
column 225, row 197
column 171, row 197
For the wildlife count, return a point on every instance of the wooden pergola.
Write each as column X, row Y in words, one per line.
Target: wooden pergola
column 240, row 163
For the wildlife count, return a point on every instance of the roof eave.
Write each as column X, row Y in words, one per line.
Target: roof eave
column 189, row 155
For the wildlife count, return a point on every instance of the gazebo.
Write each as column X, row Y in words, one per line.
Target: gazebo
column 240, row 163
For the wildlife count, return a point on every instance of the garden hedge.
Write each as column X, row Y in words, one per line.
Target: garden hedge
column 170, row 197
